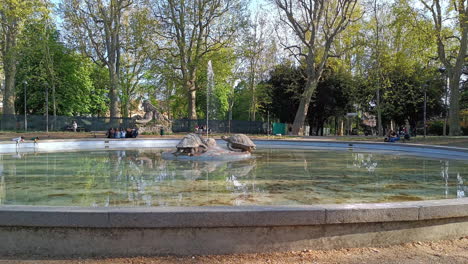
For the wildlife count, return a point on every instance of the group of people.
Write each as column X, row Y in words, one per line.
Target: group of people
column 122, row 133
column 393, row 136
column 20, row 139
column 201, row 129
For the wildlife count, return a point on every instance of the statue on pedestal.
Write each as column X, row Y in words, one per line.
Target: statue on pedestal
column 153, row 121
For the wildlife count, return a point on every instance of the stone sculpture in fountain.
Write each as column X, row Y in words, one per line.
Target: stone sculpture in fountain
column 196, row 148
column 153, row 121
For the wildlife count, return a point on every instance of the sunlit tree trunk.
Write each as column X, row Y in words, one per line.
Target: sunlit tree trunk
column 453, row 61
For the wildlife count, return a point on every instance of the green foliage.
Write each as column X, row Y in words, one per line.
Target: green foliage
column 242, row 97
column 74, row 77
column 331, row 98
column 99, row 101
column 392, row 49
column 222, row 62
column 136, row 55
column 402, row 94
column 286, row 83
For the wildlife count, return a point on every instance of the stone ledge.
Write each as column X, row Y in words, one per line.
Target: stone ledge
column 367, row 213
column 242, row 216
column 442, row 209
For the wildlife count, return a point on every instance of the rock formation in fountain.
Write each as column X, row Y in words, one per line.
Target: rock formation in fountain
column 194, row 147
column 190, row 145
column 153, row 121
column 239, row 142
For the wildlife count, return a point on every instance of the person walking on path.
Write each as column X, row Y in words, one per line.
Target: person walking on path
column 74, row 126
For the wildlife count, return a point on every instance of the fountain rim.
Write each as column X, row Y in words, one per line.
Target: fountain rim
column 230, row 216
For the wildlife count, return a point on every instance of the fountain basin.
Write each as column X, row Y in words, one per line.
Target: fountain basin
column 124, row 231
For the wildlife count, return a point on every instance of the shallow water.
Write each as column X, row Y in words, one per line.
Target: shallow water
column 275, row 177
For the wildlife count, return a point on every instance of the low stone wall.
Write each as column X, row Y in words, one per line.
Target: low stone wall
column 88, row 232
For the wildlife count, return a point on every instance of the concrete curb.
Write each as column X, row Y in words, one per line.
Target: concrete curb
column 242, row 216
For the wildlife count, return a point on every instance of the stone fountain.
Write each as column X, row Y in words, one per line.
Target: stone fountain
column 195, row 148
column 153, row 121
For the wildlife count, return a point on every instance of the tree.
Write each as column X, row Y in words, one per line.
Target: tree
column 190, row 30
column 94, row 27
column 392, row 47
column 258, row 56
column 76, row 79
column 452, row 45
column 13, row 15
column 285, row 86
column 377, row 68
column 99, row 101
column 332, row 98
column 316, row 24
column 223, row 61
column 404, row 98
column 138, row 50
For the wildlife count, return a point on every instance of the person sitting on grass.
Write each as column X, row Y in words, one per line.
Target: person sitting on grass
column 128, row 133
column 407, row 136
column 110, row 133
column 135, row 133
column 392, row 137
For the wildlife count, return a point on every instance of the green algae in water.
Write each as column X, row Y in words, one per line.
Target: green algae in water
column 134, row 177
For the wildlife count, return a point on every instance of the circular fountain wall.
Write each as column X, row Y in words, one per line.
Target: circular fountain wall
column 334, row 195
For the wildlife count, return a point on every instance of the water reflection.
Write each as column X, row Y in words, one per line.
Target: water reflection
column 140, row 177
column 364, row 160
column 444, row 172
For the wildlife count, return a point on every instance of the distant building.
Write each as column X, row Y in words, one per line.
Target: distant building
column 369, row 120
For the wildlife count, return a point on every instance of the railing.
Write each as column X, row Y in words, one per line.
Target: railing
column 60, row 123
column 221, row 126
column 63, row 123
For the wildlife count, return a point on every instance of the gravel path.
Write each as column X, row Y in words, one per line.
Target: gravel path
column 440, row 252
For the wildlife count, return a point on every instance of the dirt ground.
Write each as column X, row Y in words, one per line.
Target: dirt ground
column 444, row 252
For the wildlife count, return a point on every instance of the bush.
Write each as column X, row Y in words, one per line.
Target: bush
column 465, row 131
column 436, row 128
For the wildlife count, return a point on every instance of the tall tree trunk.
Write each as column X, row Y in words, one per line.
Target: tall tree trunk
column 379, row 114
column 125, row 108
column 454, row 113
column 9, row 92
column 454, row 110
column 192, row 94
column 114, row 80
column 54, row 126
column 192, row 106
column 9, row 68
column 301, row 114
